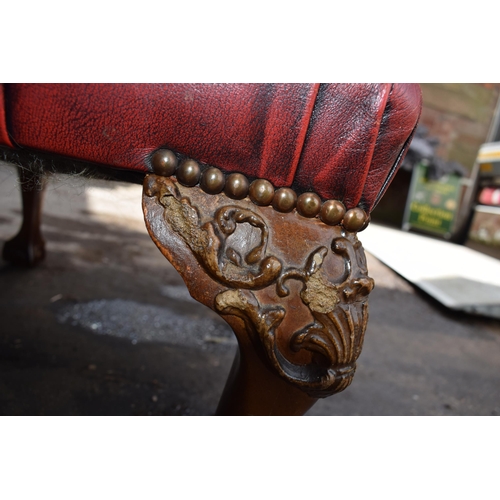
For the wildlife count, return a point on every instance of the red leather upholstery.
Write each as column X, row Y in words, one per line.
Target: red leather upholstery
column 356, row 139
column 343, row 141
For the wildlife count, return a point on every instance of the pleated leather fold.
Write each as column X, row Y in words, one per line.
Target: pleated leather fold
column 341, row 140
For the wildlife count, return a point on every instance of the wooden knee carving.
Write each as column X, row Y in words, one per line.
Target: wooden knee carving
column 293, row 289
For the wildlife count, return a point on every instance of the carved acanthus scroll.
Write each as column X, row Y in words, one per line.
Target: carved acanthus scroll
column 340, row 313
column 208, row 241
column 255, row 284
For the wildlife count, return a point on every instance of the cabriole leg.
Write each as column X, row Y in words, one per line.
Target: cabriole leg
column 252, row 388
column 27, row 248
column 293, row 289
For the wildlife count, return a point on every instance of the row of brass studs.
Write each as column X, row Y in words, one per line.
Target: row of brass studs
column 261, row 192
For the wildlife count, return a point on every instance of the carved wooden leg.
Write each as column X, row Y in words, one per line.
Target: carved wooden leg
column 27, row 248
column 293, row 289
column 253, row 388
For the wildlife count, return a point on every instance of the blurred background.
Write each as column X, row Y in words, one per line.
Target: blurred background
column 105, row 326
column 457, row 119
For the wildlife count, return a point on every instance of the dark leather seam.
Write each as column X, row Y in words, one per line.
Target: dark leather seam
column 303, row 134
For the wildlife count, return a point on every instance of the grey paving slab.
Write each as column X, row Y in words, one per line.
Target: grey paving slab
column 459, row 277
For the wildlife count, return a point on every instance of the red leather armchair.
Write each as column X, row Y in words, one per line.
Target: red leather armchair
column 296, row 167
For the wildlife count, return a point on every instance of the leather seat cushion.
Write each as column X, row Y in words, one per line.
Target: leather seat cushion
column 342, row 141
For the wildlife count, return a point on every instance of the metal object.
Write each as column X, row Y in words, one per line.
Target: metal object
column 164, row 162
column 285, row 200
column 212, row 181
column 261, row 192
column 308, row 204
column 237, row 186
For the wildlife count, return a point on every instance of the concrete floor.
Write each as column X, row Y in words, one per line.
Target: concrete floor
column 105, row 326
